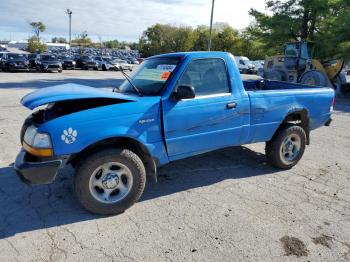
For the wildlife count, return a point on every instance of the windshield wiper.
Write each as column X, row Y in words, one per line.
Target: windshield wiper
column 130, row 82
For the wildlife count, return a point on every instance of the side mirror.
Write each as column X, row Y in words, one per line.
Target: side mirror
column 185, row 92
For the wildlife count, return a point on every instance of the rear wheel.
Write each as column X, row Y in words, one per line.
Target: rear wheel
column 110, row 181
column 314, row 78
column 104, row 68
column 287, row 146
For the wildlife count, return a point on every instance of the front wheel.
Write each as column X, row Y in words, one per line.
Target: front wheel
column 110, row 181
column 287, row 147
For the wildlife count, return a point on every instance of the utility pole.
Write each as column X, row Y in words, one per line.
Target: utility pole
column 211, row 24
column 69, row 13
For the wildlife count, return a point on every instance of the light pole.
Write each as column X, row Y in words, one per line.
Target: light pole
column 211, row 24
column 69, row 13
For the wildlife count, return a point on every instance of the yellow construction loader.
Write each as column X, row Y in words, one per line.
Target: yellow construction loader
column 297, row 65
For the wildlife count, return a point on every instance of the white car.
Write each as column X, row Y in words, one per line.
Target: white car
column 124, row 65
column 245, row 66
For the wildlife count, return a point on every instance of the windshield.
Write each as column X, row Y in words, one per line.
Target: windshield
column 48, row 58
column 151, row 75
column 16, row 56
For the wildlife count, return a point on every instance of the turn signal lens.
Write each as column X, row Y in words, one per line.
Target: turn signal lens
column 40, row 152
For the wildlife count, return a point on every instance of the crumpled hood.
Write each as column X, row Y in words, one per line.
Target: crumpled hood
column 69, row 92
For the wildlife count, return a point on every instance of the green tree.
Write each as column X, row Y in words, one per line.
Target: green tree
column 83, row 39
column 160, row 38
column 200, row 38
column 61, row 40
column 38, row 27
column 111, row 44
column 35, row 46
column 324, row 21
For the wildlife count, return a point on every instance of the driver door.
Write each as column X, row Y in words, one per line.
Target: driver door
column 208, row 121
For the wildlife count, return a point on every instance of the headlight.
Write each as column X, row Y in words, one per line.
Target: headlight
column 38, row 144
column 73, row 62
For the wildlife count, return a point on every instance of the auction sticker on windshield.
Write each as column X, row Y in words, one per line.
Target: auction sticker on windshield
column 165, row 75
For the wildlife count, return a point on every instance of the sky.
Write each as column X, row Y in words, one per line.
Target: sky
column 116, row 19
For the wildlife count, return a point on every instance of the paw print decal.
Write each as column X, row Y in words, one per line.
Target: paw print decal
column 69, row 136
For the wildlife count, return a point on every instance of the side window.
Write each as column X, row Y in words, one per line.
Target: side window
column 207, row 76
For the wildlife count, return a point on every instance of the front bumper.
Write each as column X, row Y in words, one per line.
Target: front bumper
column 41, row 172
column 19, row 67
column 52, row 68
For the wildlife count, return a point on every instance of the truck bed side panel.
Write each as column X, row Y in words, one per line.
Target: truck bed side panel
column 270, row 107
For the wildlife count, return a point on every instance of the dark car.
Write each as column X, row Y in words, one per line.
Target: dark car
column 14, row 62
column 67, row 62
column 32, row 58
column 86, row 62
column 48, row 62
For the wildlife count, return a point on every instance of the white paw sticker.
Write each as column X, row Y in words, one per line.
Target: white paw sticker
column 69, row 136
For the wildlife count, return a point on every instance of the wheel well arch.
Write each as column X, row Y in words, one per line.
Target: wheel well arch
column 124, row 142
column 298, row 117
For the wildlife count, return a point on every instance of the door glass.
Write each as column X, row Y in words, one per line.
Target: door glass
column 207, row 76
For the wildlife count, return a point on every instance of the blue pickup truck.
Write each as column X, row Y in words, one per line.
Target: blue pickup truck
column 172, row 107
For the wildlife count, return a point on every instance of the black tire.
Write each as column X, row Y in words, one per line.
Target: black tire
column 276, row 75
column 314, row 78
column 274, row 151
column 89, row 165
column 104, row 68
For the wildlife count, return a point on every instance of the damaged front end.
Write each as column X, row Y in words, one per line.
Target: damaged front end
column 37, row 162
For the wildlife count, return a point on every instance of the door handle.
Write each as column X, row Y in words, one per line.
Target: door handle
column 231, row 105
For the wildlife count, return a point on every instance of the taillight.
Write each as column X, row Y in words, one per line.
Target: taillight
column 332, row 106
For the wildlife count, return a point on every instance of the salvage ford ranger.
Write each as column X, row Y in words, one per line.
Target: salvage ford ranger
column 172, row 107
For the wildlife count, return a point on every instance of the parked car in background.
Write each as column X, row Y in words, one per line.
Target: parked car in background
column 258, row 64
column 86, row 62
column 346, row 71
column 33, row 58
column 14, row 62
column 123, row 65
column 2, row 55
column 108, row 63
column 67, row 62
column 48, row 62
column 102, row 62
column 245, row 66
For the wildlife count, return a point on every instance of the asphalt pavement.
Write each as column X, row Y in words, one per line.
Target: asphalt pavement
column 227, row 205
